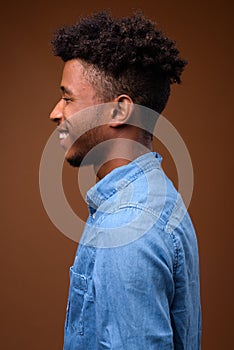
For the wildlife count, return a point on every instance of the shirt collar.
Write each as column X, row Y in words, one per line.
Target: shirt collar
column 121, row 177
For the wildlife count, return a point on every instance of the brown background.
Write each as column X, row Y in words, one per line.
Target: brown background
column 35, row 256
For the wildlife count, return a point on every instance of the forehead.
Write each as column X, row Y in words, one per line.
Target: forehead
column 73, row 76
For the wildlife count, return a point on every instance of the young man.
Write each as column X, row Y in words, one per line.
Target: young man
column 135, row 279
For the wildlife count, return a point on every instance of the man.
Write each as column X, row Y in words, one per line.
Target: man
column 135, row 279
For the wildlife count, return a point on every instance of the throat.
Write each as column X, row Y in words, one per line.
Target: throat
column 110, row 165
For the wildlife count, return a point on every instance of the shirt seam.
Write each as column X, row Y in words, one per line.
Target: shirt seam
column 125, row 206
column 176, row 251
column 140, row 207
column 145, row 169
column 174, row 239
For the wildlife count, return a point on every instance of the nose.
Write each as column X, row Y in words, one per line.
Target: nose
column 57, row 113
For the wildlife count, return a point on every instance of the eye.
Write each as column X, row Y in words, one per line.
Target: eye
column 66, row 99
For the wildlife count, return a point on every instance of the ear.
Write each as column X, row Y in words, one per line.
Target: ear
column 121, row 111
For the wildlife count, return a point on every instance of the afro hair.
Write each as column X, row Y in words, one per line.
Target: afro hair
column 136, row 57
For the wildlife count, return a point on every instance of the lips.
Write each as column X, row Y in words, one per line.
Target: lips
column 63, row 133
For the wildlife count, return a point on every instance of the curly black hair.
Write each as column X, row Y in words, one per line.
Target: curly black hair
column 127, row 56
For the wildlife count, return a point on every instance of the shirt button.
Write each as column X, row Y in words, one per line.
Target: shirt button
column 169, row 229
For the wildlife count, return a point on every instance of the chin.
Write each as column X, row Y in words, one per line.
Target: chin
column 76, row 159
column 74, row 162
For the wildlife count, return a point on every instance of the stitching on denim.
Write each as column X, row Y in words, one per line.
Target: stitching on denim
column 176, row 252
column 133, row 177
column 141, row 207
column 125, row 206
column 165, row 215
column 128, row 181
column 148, row 167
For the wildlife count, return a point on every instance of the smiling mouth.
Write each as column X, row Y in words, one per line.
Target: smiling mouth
column 63, row 135
column 63, row 132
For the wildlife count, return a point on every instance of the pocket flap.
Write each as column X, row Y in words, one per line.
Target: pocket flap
column 78, row 281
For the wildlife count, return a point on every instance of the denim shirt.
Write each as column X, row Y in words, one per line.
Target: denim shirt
column 134, row 283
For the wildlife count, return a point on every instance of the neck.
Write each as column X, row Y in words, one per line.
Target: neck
column 110, row 165
column 122, row 152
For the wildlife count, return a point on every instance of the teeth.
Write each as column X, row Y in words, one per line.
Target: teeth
column 63, row 135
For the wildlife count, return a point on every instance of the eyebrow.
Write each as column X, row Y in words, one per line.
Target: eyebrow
column 65, row 90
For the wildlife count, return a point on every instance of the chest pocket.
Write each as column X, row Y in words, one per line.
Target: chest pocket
column 75, row 308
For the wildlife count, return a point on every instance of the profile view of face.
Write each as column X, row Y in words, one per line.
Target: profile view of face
column 77, row 95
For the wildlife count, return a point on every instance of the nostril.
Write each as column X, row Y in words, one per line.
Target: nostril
column 55, row 116
column 56, row 120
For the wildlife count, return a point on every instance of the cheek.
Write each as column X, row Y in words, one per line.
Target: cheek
column 88, row 140
column 84, row 143
column 70, row 110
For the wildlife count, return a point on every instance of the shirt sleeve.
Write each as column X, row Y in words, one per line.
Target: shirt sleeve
column 134, row 290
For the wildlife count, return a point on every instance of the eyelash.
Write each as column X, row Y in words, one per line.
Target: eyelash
column 66, row 99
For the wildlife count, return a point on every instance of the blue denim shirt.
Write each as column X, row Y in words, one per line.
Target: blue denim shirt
column 135, row 279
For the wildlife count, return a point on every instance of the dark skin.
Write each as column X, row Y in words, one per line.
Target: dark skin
column 77, row 95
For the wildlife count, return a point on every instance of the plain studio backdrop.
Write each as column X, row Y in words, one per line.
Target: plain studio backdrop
column 35, row 256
